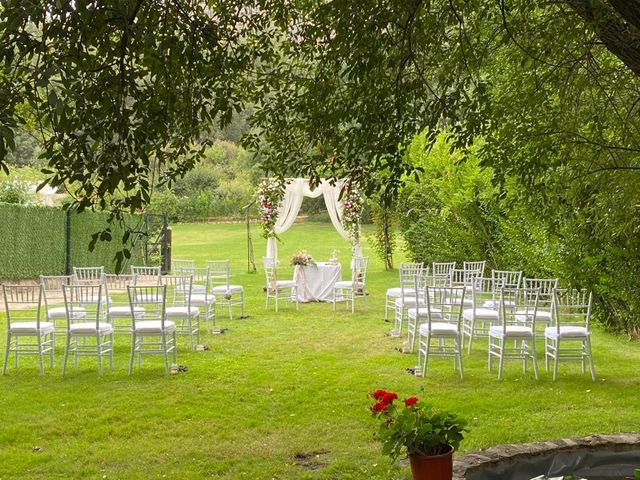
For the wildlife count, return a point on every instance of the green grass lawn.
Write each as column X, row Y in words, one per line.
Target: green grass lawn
column 284, row 396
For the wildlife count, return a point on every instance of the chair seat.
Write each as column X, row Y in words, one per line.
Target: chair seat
column 347, row 284
column 284, row 284
column 60, row 313
column 93, row 299
column 409, row 302
column 486, row 314
column 566, row 332
column 201, row 299
column 541, row 315
column 422, row 312
column 440, row 329
column 509, row 304
column 181, row 289
column 182, row 311
column 397, row 292
column 516, row 331
column 224, row 289
column 90, row 328
column 31, row 328
column 125, row 311
column 154, row 326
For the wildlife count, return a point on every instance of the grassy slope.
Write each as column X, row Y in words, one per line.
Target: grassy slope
column 280, row 385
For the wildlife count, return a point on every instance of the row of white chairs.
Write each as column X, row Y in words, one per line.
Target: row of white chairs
column 225, row 294
column 484, row 305
column 89, row 314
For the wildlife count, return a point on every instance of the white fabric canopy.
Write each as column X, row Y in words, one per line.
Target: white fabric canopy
column 294, row 194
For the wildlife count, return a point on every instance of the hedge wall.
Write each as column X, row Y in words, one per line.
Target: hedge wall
column 33, row 241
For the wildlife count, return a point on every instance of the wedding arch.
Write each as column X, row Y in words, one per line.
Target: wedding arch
column 280, row 204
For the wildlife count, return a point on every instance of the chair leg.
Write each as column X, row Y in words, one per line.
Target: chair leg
column 66, row 354
column 40, row 362
column 111, row 353
column 534, row 356
column 51, row 351
column 175, row 348
column 555, row 359
column 458, row 353
column 587, row 342
column 133, row 350
column 165, row 355
column 501, row 358
column 426, row 357
column 6, row 355
column 99, row 350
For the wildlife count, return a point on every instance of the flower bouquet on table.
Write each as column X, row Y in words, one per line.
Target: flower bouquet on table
column 427, row 435
column 302, row 258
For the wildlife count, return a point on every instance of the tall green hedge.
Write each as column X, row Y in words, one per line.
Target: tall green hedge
column 33, row 241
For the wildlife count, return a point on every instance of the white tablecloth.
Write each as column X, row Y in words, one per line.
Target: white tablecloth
column 315, row 283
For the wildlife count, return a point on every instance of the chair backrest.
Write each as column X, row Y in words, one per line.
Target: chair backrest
column 201, row 276
column 88, row 275
column 220, row 271
column 359, row 271
column 546, row 287
column 511, row 278
column 409, row 273
column 485, row 289
column 477, row 267
column 440, row 272
column 23, row 303
column 572, row 307
column 270, row 272
column 52, row 288
column 180, row 286
column 150, row 297
column 118, row 283
column 182, row 264
column 444, row 304
column 518, row 307
column 145, row 275
column 83, row 303
column 462, row 278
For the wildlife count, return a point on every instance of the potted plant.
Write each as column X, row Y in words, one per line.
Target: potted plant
column 427, row 435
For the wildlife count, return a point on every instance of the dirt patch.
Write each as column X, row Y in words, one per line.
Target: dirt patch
column 311, row 460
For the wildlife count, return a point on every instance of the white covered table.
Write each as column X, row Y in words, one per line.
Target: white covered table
column 315, row 282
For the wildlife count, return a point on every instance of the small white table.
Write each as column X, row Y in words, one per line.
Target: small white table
column 315, row 282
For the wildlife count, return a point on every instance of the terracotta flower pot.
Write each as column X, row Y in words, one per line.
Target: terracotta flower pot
column 432, row 467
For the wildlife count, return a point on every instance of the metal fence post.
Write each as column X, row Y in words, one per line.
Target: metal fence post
column 67, row 267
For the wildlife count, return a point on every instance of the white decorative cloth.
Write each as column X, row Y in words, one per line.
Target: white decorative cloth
column 288, row 210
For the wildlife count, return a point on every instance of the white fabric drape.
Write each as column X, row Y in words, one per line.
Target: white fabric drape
column 288, row 209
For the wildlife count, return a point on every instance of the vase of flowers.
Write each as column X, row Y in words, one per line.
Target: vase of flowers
column 302, row 258
column 427, row 435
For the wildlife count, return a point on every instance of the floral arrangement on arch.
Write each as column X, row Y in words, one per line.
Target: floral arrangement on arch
column 414, row 427
column 270, row 194
column 352, row 206
column 302, row 258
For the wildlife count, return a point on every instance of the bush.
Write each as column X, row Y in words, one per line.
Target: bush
column 32, row 240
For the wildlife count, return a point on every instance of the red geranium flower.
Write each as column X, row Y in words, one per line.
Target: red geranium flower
column 388, row 398
column 378, row 394
column 410, row 401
